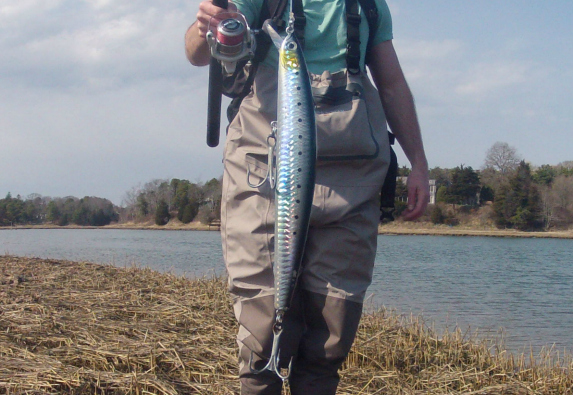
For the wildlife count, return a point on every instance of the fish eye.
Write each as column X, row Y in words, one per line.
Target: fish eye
column 291, row 46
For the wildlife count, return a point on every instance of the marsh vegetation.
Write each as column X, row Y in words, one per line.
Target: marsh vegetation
column 83, row 328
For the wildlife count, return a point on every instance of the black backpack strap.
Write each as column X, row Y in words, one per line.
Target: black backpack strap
column 388, row 192
column 352, row 37
column 353, row 31
column 299, row 20
column 371, row 12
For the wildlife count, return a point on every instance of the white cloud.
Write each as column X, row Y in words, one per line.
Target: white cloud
column 95, row 44
column 13, row 9
column 100, row 4
column 426, row 50
column 487, row 78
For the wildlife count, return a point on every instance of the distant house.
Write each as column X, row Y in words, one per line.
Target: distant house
column 433, row 189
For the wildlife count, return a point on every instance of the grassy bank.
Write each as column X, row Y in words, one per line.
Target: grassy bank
column 82, row 328
column 427, row 228
column 174, row 224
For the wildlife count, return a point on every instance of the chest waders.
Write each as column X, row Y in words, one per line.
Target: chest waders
column 353, row 156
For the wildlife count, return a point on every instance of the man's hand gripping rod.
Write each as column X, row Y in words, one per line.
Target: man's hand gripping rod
column 232, row 41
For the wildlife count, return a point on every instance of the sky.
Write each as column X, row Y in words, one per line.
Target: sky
column 97, row 97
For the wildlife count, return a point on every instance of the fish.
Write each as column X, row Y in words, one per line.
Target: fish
column 294, row 176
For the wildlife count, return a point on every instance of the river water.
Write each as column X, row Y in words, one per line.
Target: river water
column 521, row 288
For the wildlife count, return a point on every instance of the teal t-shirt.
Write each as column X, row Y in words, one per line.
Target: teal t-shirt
column 325, row 32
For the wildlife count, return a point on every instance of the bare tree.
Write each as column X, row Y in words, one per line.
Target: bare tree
column 129, row 202
column 563, row 192
column 565, row 168
column 547, row 206
column 502, row 157
column 155, row 191
column 557, row 200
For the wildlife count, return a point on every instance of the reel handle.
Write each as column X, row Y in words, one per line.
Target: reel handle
column 215, row 94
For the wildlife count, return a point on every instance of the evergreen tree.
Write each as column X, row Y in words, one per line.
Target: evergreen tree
column 442, row 194
column 189, row 213
column 81, row 215
column 181, row 195
column 544, row 175
column 518, row 203
column 53, row 212
column 182, row 204
column 486, row 194
column 142, row 205
column 64, row 220
column 565, row 168
column 162, row 215
column 464, row 186
column 13, row 210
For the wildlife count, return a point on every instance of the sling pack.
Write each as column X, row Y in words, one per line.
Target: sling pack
column 238, row 85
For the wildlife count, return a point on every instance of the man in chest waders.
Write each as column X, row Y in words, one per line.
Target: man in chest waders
column 353, row 154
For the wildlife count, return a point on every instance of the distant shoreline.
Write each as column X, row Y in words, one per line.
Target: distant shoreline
column 397, row 228
column 426, row 229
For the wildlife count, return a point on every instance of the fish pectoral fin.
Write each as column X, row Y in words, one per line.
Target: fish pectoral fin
column 270, row 28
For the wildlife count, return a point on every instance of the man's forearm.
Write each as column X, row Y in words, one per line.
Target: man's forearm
column 401, row 115
column 196, row 47
column 398, row 102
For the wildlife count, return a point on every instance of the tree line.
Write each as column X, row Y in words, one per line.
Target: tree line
column 519, row 196
column 37, row 210
column 161, row 200
column 507, row 188
column 157, row 201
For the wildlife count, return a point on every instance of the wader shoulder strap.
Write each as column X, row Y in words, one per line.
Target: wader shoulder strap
column 371, row 12
column 299, row 20
column 352, row 37
column 353, row 31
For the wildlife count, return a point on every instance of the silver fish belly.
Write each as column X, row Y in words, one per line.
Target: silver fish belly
column 295, row 167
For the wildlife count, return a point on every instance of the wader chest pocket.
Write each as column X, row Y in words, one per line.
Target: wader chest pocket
column 344, row 130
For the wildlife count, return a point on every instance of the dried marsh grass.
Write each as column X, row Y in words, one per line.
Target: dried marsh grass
column 82, row 328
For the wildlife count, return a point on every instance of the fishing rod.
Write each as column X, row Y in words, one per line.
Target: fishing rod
column 215, row 94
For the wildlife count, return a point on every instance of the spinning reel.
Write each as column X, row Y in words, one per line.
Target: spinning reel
column 231, row 41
